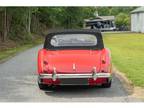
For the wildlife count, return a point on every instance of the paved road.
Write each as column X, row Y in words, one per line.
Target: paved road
column 18, row 84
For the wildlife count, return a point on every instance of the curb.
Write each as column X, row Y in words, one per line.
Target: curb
column 127, row 84
column 133, row 91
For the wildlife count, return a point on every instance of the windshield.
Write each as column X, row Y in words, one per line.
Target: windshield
column 61, row 40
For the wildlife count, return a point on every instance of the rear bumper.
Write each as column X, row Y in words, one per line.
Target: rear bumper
column 74, row 79
column 62, row 76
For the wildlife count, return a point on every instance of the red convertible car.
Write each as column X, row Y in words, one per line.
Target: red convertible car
column 74, row 57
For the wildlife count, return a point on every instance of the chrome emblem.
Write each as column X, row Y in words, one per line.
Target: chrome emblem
column 74, row 66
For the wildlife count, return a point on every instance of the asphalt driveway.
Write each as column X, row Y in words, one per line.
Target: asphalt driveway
column 18, row 83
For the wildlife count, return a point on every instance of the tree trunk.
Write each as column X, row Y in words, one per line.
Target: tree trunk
column 1, row 28
column 29, row 20
column 9, row 18
column 5, row 25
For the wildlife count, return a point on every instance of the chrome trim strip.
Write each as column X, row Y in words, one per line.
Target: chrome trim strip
column 95, row 75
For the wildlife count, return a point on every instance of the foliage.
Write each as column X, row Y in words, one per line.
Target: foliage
column 18, row 23
column 65, row 17
column 122, row 19
column 9, row 52
column 103, row 11
column 122, row 14
column 49, row 16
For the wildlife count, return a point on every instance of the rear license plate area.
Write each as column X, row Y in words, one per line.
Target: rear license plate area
column 73, row 81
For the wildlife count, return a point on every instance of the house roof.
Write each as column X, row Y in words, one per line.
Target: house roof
column 107, row 17
column 100, row 18
column 138, row 10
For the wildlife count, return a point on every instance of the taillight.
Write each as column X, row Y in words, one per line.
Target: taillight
column 45, row 71
column 102, row 71
column 45, row 62
column 103, row 60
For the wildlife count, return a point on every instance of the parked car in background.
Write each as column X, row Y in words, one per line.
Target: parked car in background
column 74, row 57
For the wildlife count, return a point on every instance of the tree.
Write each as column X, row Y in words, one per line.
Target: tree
column 73, row 17
column 3, row 27
column 17, row 23
column 122, row 19
column 5, row 24
column 29, row 20
column 103, row 11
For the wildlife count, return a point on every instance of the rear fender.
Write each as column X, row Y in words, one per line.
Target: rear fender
column 106, row 60
column 41, row 54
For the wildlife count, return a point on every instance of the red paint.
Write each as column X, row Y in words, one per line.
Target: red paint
column 84, row 61
column 97, row 81
column 50, row 82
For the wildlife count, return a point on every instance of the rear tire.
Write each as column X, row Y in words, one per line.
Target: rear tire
column 107, row 85
column 42, row 86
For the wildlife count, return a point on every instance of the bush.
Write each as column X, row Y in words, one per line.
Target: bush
column 122, row 19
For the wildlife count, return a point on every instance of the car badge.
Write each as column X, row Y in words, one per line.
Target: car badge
column 74, row 66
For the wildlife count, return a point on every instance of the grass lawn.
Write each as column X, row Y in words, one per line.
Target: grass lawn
column 11, row 51
column 127, row 54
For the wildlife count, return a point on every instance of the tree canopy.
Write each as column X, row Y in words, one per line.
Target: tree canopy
column 19, row 23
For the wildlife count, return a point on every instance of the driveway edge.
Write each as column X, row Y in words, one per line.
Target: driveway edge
column 8, row 58
column 133, row 91
column 127, row 84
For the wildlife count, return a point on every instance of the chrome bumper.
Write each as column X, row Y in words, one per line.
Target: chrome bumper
column 61, row 76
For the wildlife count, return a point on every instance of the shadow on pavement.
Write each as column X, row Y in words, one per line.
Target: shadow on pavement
column 84, row 92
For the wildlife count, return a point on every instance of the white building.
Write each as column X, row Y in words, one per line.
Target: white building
column 137, row 20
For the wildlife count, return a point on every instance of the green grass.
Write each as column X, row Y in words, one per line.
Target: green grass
column 127, row 51
column 12, row 51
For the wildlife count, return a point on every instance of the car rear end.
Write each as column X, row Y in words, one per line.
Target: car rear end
column 74, row 65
